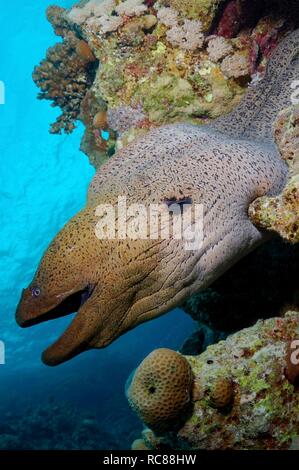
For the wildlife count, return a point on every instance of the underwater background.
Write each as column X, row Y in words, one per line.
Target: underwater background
column 128, row 84
column 44, row 178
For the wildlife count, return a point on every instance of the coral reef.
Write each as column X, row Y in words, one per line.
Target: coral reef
column 160, row 390
column 281, row 213
column 159, row 62
column 243, row 397
column 204, row 10
column 56, row 426
column 235, row 66
column 66, row 74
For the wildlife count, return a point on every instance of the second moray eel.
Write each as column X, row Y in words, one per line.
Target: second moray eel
column 116, row 284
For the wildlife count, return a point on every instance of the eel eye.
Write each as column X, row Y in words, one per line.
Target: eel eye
column 35, row 291
column 180, row 201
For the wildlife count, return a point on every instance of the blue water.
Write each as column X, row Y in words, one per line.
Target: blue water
column 43, row 182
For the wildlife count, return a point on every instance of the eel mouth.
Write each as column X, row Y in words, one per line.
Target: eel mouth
column 70, row 304
column 74, row 340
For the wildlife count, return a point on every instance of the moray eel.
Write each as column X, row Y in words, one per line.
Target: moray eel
column 116, row 284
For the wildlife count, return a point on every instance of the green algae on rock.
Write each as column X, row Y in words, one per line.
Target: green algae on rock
column 263, row 411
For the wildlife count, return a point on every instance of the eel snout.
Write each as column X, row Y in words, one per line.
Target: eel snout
column 30, row 312
column 127, row 292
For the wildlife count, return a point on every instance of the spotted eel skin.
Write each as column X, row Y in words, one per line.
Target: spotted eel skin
column 223, row 166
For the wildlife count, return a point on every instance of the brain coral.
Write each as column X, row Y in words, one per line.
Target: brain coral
column 250, row 372
column 160, row 391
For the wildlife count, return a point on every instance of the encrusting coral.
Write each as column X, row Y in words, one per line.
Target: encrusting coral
column 161, row 389
column 243, row 397
column 281, row 213
column 167, row 61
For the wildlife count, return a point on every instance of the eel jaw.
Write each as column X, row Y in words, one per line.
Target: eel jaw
column 92, row 327
column 67, row 304
column 28, row 314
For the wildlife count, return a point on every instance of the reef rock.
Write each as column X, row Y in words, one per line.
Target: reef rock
column 54, row 425
column 158, row 62
column 245, row 392
column 280, row 214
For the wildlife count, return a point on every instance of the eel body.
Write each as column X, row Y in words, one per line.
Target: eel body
column 116, row 284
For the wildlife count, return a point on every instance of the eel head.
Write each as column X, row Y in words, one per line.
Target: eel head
column 113, row 285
